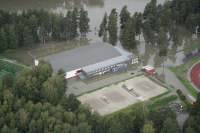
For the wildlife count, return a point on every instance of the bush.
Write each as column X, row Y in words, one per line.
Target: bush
column 179, row 92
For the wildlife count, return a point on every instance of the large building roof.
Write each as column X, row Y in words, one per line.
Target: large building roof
column 83, row 56
column 110, row 62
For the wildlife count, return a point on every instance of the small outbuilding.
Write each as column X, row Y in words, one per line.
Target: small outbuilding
column 148, row 69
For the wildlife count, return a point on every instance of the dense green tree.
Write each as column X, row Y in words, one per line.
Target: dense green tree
column 12, row 38
column 182, row 12
column 7, row 80
column 20, row 33
column 170, row 126
column 56, row 27
column 163, row 53
column 158, row 25
column 124, row 16
column 175, row 17
column 83, row 21
column 174, row 34
column 3, row 40
column 82, row 128
column 112, row 27
column 157, row 117
column 196, row 106
column 105, row 21
column 147, row 128
column 191, row 23
column 138, row 26
column 74, row 23
column 28, row 41
column 190, row 122
column 67, row 22
column 1, row 20
column 32, row 24
column 161, row 36
column 70, row 103
column 189, row 130
column 167, row 19
column 149, row 8
column 42, row 33
column 5, row 129
column 146, row 28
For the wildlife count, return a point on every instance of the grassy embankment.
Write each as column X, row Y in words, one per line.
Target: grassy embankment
column 183, row 49
column 151, row 106
column 182, row 74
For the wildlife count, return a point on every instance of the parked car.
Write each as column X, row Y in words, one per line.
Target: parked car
column 155, row 73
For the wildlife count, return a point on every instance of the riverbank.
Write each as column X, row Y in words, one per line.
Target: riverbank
column 182, row 74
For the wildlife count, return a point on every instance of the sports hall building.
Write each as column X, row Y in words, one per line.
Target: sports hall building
column 91, row 60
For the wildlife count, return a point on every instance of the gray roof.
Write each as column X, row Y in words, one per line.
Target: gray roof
column 83, row 56
column 110, row 62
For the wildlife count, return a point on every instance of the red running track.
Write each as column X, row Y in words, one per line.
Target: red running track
column 195, row 75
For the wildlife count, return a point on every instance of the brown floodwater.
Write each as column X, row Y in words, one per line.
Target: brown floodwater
column 96, row 9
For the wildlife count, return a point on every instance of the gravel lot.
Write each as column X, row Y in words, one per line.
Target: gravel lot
column 120, row 98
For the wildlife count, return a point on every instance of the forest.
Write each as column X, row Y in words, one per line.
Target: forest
column 155, row 19
column 40, row 25
column 35, row 102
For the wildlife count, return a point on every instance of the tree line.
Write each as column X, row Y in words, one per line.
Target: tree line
column 40, row 25
column 35, row 102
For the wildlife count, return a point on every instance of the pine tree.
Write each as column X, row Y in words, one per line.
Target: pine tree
column 191, row 23
column 146, row 28
column 32, row 24
column 12, row 38
column 3, row 40
column 74, row 23
column 28, row 41
column 124, row 16
column 161, row 36
column 158, row 25
column 138, row 26
column 112, row 27
column 84, row 21
column 182, row 12
column 42, row 33
column 56, row 27
column 174, row 34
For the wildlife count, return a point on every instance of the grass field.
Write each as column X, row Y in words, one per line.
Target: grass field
column 4, row 65
column 182, row 71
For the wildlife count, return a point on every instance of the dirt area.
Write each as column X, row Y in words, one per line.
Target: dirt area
column 119, row 98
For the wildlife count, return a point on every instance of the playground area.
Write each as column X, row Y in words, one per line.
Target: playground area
column 115, row 97
column 10, row 67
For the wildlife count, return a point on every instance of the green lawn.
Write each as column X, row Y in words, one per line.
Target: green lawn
column 2, row 57
column 21, row 64
column 160, row 102
column 10, row 67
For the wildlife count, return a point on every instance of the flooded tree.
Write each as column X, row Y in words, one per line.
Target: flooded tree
column 146, row 28
column 112, row 27
column 3, row 40
column 56, row 27
column 139, row 23
column 174, row 34
column 84, row 21
column 191, row 23
column 124, row 16
column 28, row 41
column 74, row 24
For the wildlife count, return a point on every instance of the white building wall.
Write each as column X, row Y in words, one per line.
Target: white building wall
column 71, row 74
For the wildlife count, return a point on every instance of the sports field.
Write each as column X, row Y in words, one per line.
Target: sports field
column 9, row 66
column 119, row 98
column 2, row 74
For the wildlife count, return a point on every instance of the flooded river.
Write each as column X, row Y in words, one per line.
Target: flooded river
column 96, row 10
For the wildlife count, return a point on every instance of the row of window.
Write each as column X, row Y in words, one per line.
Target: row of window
column 101, row 69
